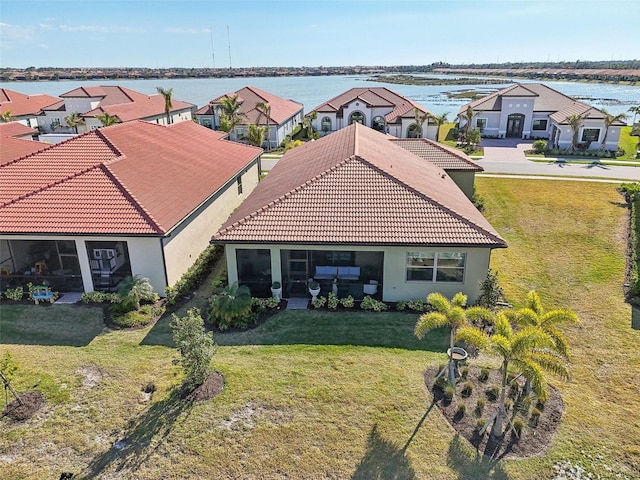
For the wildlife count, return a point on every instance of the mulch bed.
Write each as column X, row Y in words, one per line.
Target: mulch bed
column 32, row 401
column 211, row 387
column 535, row 438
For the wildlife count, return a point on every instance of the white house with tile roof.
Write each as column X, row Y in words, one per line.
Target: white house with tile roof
column 356, row 208
column 534, row 110
column 376, row 107
column 132, row 199
column 24, row 108
column 284, row 115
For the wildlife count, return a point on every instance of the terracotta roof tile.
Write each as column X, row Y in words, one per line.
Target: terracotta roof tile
column 281, row 108
column 20, row 104
column 444, row 156
column 12, row 148
column 356, row 187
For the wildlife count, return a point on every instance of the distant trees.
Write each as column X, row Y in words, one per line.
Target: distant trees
column 168, row 105
column 106, row 120
column 6, row 116
column 256, row 134
column 610, row 119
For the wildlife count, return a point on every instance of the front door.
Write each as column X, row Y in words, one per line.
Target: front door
column 515, row 123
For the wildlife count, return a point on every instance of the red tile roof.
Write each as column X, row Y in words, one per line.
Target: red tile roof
column 281, row 108
column 12, row 147
column 20, row 104
column 583, row 110
column 130, row 178
column 444, row 156
column 354, row 186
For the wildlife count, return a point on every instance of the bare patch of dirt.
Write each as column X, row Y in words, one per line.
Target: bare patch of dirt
column 534, row 439
column 32, row 401
column 212, row 386
column 245, row 418
column 91, row 375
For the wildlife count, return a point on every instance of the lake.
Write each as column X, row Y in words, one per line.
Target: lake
column 312, row 91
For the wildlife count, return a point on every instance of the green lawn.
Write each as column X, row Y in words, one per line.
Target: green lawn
column 336, row 395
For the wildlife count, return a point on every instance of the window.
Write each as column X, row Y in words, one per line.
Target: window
column 206, row 122
column 481, row 123
column 435, row 267
column 239, row 182
column 378, row 123
column 539, row 124
column 55, row 123
column 240, row 133
column 326, row 124
column 413, row 132
column 590, row 134
column 356, row 117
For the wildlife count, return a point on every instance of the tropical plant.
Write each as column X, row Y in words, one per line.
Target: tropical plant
column 230, row 306
column 575, row 122
column 468, row 116
column 420, row 117
column 6, row 116
column 491, row 292
column 230, row 107
column 168, row 105
column 195, row 345
column 256, row 135
column 134, row 289
column 265, row 109
column 526, row 350
column 308, row 122
column 107, row 120
column 610, row 119
column 439, row 121
column 74, row 120
column 450, row 314
column 636, row 111
column 539, row 146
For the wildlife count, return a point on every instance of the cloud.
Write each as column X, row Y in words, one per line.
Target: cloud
column 187, row 31
column 100, row 29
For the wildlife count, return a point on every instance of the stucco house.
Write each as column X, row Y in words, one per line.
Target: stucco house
column 534, row 110
column 284, row 115
column 132, row 199
column 376, row 107
column 355, row 208
column 120, row 102
column 24, row 108
column 17, row 140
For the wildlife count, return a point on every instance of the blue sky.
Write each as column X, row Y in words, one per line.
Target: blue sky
column 168, row 33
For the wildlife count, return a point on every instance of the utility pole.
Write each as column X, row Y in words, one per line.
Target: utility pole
column 213, row 55
column 229, row 42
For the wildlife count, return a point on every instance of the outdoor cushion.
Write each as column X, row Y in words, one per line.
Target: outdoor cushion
column 348, row 273
column 326, row 272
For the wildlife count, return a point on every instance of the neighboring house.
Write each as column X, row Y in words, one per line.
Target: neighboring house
column 355, row 207
column 120, row 102
column 284, row 115
column 457, row 164
column 16, row 140
column 24, row 108
column 533, row 110
column 376, row 107
column 131, row 199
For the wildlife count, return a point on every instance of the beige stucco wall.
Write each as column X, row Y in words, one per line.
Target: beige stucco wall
column 465, row 181
column 183, row 245
column 395, row 286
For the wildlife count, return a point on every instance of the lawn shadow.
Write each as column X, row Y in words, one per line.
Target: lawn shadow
column 415, row 430
column 635, row 318
column 144, row 436
column 160, row 333
column 383, row 461
column 471, row 466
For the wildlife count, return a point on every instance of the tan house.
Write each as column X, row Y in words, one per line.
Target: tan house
column 357, row 210
column 131, row 199
column 376, row 107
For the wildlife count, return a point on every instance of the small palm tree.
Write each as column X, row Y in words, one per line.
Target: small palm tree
column 265, row 109
column 308, row 121
column 132, row 290
column 232, row 303
column 468, row 116
column 230, row 107
column 168, row 105
column 74, row 120
column 439, row 121
column 610, row 119
column 420, row 117
column 6, row 116
column 636, row 111
column 107, row 120
column 575, row 122
column 256, row 135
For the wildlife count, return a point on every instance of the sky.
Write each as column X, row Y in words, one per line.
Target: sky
column 270, row 33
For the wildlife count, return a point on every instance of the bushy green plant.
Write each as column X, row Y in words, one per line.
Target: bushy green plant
column 480, row 423
column 195, row 345
column 14, row 293
column 371, row 304
column 480, row 404
column 138, row 318
column 195, row 274
column 419, row 305
column 484, row 374
column 493, row 392
column 100, row 297
column 332, row 301
column 8, row 366
column 231, row 307
column 319, row 302
column 467, row 388
column 261, row 305
column 477, row 200
column 508, row 403
column 449, row 392
column 518, row 426
column 539, row 146
column 491, row 292
column 347, row 302
column 461, row 409
column 464, row 372
column 535, row 416
column 133, row 290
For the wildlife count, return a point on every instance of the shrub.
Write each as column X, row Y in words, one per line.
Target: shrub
column 371, row 304
column 231, row 307
column 535, row 416
column 8, row 366
column 518, row 426
column 464, row 372
column 133, row 290
column 480, row 423
column 419, row 305
column 276, row 285
column 195, row 345
column 261, row 305
column 332, row 301
column 100, row 297
column 461, row 409
column 484, row 374
column 493, row 392
column 196, row 273
column 480, row 404
column 14, row 293
column 467, row 389
column 319, row 302
column 138, row 318
column 347, row 302
column 477, row 200
column 539, row 146
column 525, row 404
column 441, row 382
column 508, row 403
column 449, row 392
column 514, row 388
column 491, row 292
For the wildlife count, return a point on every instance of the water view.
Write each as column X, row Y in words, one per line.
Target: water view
column 312, row 91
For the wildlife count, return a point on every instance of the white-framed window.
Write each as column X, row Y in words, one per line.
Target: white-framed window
column 436, row 266
column 55, row 122
column 378, row 123
column 481, row 123
column 539, row 124
column 413, row 131
column 590, row 135
column 356, row 117
column 239, row 183
column 326, row 124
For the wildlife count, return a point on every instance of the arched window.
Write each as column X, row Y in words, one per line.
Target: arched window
column 378, row 124
column 356, row 117
column 326, row 124
column 412, row 131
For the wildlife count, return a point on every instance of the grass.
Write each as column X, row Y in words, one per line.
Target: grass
column 319, row 395
column 628, row 143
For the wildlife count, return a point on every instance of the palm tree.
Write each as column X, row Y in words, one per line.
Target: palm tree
column 525, row 350
column 439, row 121
column 265, row 109
column 468, row 117
column 636, row 111
column 609, row 120
column 230, row 107
column 420, row 119
column 308, row 121
column 6, row 116
column 134, row 289
column 256, row 134
column 450, row 314
column 74, row 120
column 167, row 94
column 107, row 119
column 232, row 303
column 575, row 122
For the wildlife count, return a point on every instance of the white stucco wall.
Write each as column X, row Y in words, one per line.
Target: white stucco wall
column 513, row 105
